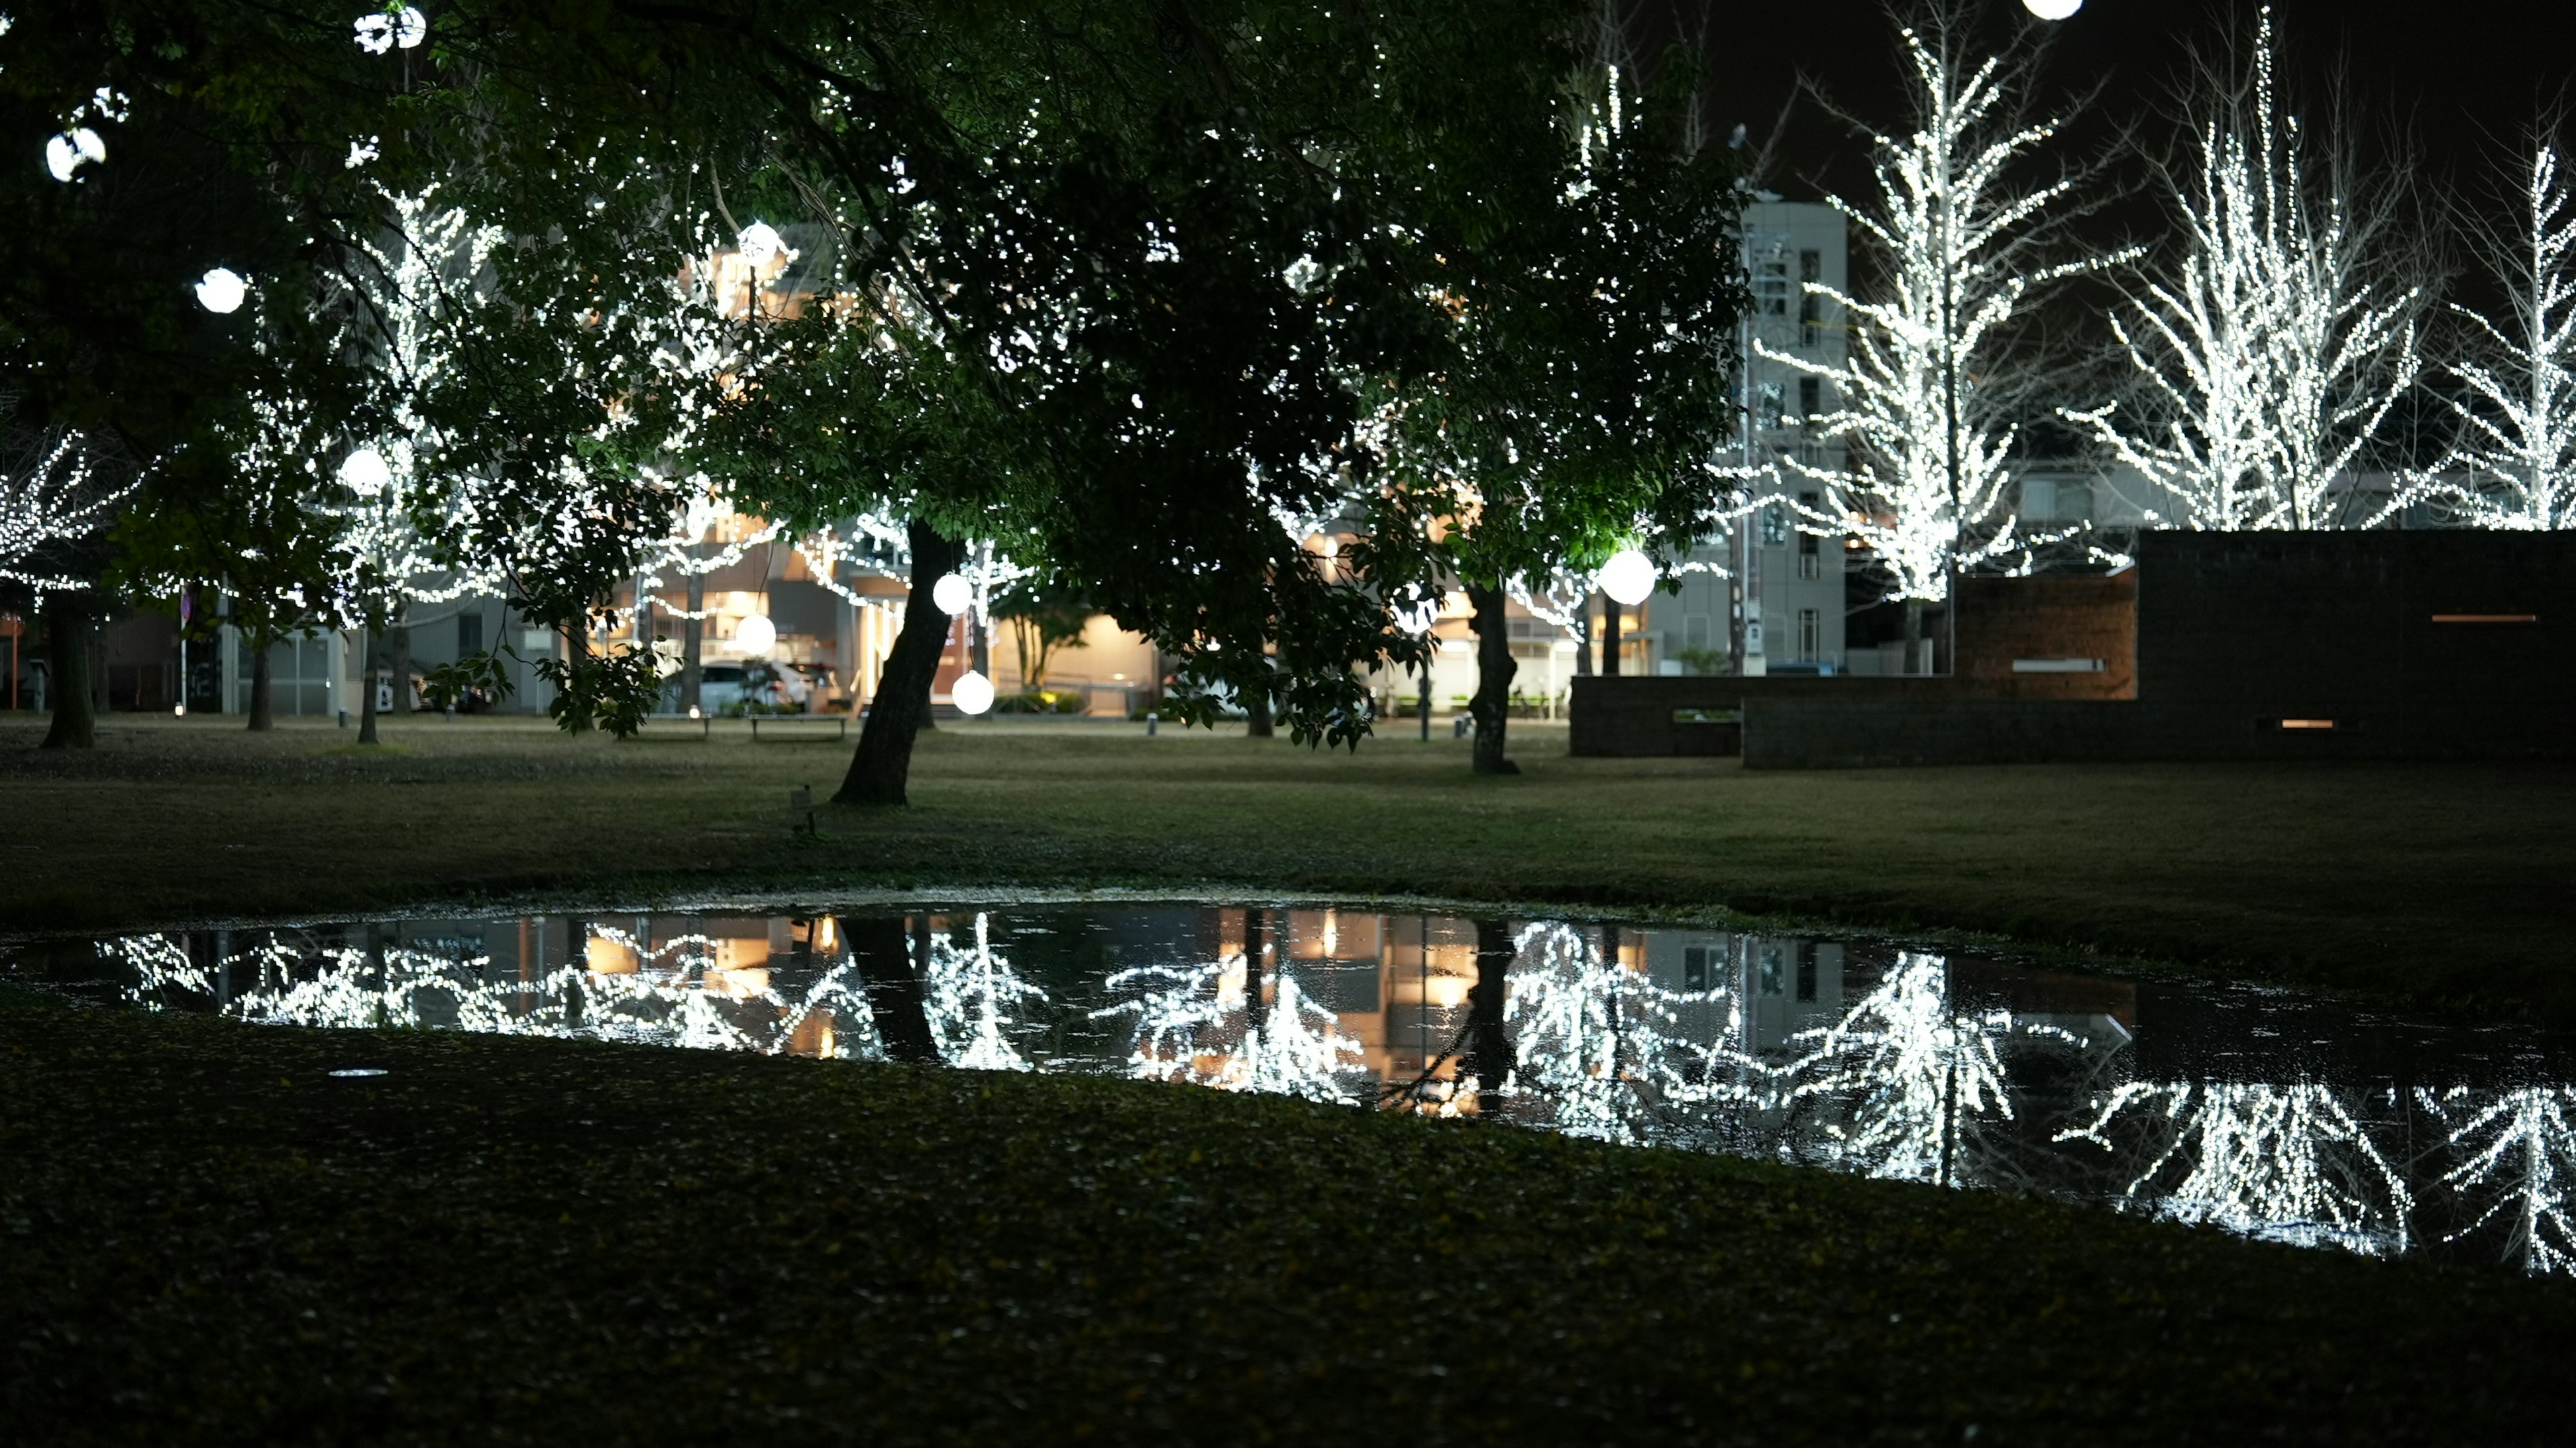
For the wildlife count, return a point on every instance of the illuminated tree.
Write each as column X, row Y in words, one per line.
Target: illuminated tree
column 2276, row 344
column 55, row 503
column 2289, row 1163
column 1925, row 404
column 2522, row 1149
column 2515, row 466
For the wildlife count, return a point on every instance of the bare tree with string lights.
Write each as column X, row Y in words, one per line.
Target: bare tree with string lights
column 1927, row 398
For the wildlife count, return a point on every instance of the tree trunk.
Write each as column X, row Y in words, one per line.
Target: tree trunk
column 1492, row 706
column 1256, row 714
column 1490, row 1058
column 1609, row 635
column 882, row 767
column 1583, row 642
column 71, row 623
column 262, row 718
column 367, row 642
column 898, row 998
column 1913, row 632
column 691, row 650
column 398, row 644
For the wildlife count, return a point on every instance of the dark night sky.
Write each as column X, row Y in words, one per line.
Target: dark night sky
column 2455, row 84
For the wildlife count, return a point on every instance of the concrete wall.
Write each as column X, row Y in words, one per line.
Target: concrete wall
column 2382, row 645
column 2377, row 645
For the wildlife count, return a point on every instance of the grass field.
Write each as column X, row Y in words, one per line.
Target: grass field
column 210, row 1239
column 2445, row 888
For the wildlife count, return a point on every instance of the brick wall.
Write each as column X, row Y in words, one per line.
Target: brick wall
column 2053, row 617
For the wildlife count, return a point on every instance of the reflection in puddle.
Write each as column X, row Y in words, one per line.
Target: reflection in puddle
column 2263, row 1116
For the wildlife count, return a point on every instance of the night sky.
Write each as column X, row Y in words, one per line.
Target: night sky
column 2457, row 85
column 2443, row 96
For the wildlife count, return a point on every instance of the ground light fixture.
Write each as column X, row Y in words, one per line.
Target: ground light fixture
column 952, row 594
column 221, row 291
column 1628, row 577
column 756, row 635
column 972, row 693
column 2052, row 9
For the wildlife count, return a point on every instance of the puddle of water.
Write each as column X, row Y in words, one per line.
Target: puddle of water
column 2256, row 1111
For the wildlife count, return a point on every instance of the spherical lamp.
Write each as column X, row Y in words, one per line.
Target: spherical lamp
column 66, row 153
column 755, row 635
column 972, row 693
column 1417, row 617
column 761, row 244
column 1628, row 577
column 952, row 594
column 2052, row 9
column 221, row 291
column 365, row 473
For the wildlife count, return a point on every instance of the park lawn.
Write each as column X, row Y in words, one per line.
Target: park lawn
column 2438, row 887
column 505, row 1240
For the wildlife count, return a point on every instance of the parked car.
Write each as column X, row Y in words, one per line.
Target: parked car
column 759, row 687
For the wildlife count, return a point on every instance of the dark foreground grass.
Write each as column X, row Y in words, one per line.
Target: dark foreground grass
column 2439, row 887
column 209, row 1239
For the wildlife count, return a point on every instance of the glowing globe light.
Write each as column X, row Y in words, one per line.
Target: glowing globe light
column 761, row 244
column 382, row 31
column 755, row 635
column 1418, row 617
column 972, row 693
column 952, row 594
column 365, row 473
column 1628, row 577
column 221, row 291
column 67, row 153
column 2052, row 9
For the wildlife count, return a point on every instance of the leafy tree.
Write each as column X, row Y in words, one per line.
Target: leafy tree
column 1587, row 380
column 1045, row 616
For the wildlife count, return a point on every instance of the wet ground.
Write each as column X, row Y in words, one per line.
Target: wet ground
column 2258, row 1111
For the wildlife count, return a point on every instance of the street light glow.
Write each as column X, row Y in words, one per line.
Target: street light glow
column 2052, row 9
column 1628, row 577
column 972, row 693
column 952, row 594
column 755, row 635
column 221, row 291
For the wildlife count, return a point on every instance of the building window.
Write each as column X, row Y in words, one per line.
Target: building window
column 1775, row 526
column 1770, row 977
column 1769, row 403
column 1810, row 633
column 1811, row 320
column 1771, row 281
column 469, row 634
column 1806, row 970
column 1811, row 398
column 1809, row 564
column 1695, row 967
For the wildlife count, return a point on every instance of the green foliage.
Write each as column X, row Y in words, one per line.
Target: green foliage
column 614, row 692
column 448, row 684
